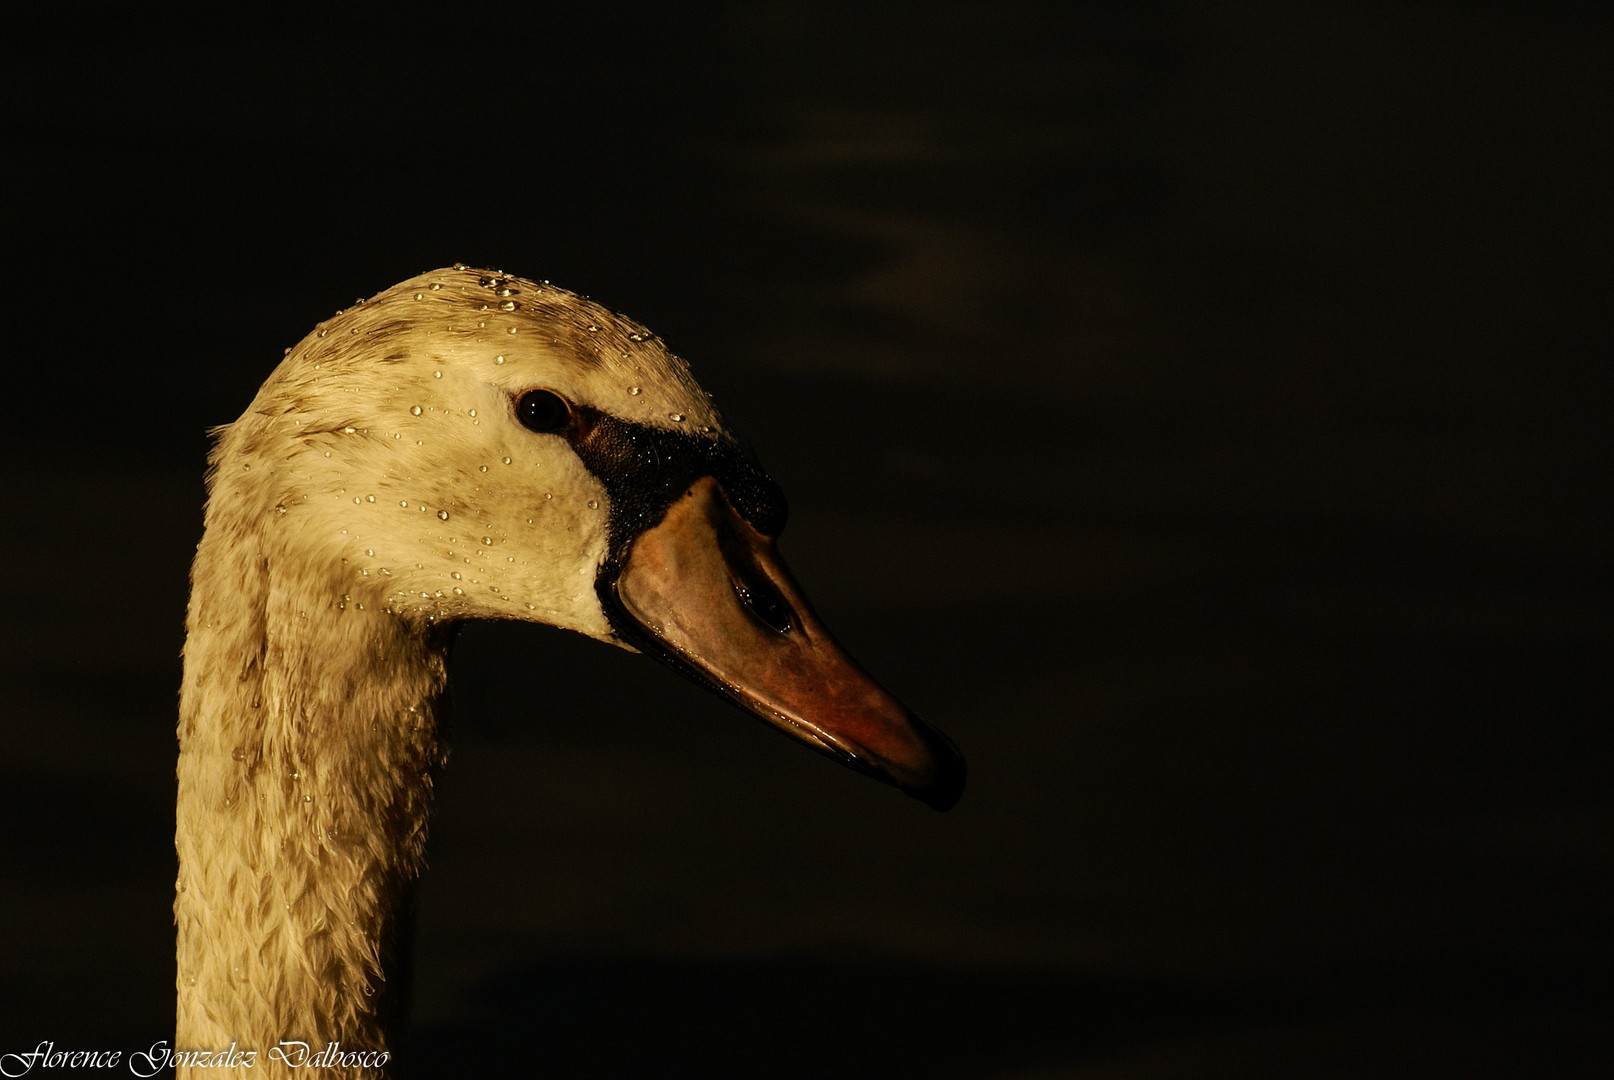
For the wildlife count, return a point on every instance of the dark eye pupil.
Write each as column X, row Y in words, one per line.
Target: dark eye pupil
column 543, row 410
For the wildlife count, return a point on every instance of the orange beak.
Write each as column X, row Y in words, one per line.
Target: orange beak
column 715, row 600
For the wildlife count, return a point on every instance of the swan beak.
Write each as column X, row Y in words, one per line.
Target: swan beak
column 712, row 597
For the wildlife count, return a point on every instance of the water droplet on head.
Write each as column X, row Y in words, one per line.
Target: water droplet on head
column 434, row 286
column 487, row 541
column 593, row 504
column 634, row 391
column 498, row 359
column 676, row 417
column 443, row 514
column 437, row 374
column 473, row 412
column 420, row 296
column 505, row 460
column 415, row 410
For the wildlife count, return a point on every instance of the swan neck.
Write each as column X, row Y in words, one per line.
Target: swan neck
column 308, row 739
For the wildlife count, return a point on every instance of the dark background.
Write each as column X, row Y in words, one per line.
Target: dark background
column 1196, row 410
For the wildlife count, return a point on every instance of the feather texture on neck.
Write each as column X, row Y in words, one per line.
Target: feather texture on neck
column 308, row 736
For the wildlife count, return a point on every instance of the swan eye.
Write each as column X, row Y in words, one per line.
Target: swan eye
column 543, row 410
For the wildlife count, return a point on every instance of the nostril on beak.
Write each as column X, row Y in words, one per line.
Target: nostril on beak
column 765, row 604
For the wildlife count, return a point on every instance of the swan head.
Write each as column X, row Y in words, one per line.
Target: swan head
column 473, row 445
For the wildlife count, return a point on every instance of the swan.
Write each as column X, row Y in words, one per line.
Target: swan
column 464, row 445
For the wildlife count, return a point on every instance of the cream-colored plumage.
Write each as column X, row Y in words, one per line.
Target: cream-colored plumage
column 377, row 489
